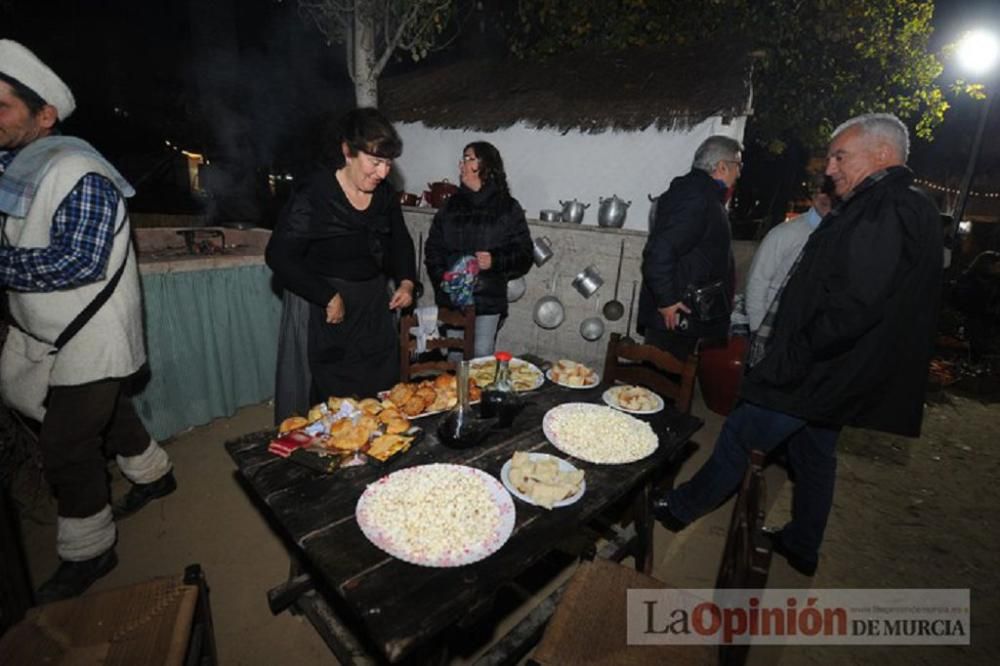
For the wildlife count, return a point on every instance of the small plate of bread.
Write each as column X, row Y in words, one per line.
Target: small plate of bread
column 633, row 399
column 572, row 375
column 542, row 480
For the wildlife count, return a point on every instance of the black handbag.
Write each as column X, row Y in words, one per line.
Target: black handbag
column 708, row 303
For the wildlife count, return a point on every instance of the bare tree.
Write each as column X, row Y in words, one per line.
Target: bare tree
column 373, row 30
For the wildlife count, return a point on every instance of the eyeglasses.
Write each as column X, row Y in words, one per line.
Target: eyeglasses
column 468, row 158
column 739, row 165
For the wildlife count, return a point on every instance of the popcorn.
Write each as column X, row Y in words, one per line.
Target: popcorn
column 599, row 434
column 433, row 513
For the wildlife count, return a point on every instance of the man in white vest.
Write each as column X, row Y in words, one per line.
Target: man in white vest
column 69, row 269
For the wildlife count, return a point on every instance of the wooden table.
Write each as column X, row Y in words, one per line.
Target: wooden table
column 397, row 606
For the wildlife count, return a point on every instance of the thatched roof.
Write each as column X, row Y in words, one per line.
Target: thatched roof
column 588, row 91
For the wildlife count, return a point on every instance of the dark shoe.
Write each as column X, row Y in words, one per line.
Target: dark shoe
column 71, row 579
column 662, row 513
column 797, row 562
column 141, row 494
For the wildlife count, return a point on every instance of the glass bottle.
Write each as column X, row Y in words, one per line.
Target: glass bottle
column 457, row 425
column 499, row 398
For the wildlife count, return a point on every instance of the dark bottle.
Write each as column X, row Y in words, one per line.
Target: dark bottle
column 499, row 398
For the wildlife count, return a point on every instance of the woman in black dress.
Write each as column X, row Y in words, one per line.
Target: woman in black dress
column 339, row 241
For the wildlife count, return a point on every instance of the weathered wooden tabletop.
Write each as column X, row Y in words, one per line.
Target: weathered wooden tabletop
column 400, row 604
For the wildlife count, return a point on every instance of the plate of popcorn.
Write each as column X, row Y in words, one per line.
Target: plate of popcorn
column 598, row 434
column 542, row 480
column 633, row 399
column 572, row 375
column 437, row 515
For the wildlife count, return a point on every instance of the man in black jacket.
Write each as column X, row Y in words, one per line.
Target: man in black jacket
column 846, row 341
column 689, row 245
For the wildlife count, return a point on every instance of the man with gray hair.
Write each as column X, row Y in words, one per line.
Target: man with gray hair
column 69, row 268
column 845, row 341
column 690, row 245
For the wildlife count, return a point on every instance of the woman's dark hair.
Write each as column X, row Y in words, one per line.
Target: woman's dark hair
column 363, row 130
column 490, row 165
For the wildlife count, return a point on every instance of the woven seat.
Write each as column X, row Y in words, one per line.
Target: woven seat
column 164, row 621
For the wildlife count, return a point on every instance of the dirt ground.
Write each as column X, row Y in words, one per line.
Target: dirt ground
column 908, row 514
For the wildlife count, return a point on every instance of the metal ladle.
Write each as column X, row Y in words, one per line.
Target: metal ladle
column 628, row 324
column 613, row 309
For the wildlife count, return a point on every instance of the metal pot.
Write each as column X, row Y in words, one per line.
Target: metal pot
column 572, row 211
column 541, row 250
column 588, row 281
column 437, row 193
column 612, row 212
column 516, row 289
column 592, row 328
column 549, row 312
column 549, row 216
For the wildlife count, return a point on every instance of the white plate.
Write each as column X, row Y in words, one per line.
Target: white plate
column 439, row 475
column 610, row 398
column 609, row 437
column 597, row 380
column 535, row 457
column 514, row 363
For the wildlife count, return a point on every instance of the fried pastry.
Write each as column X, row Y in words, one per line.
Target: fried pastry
column 292, row 423
column 400, row 393
column 413, row 406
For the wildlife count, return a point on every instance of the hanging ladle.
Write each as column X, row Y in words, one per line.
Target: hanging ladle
column 613, row 309
column 628, row 324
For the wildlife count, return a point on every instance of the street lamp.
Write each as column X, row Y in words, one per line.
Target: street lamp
column 978, row 53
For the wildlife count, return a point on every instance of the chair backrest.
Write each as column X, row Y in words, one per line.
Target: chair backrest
column 746, row 555
column 464, row 319
column 668, row 376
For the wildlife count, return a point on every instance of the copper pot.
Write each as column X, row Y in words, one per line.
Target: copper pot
column 437, row 193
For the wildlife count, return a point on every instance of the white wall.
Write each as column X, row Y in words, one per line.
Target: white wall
column 546, row 166
column 575, row 248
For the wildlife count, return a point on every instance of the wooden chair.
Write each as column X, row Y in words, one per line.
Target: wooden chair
column 589, row 623
column 653, row 368
column 464, row 319
column 164, row 621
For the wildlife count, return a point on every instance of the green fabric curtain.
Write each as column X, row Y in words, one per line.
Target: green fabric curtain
column 211, row 339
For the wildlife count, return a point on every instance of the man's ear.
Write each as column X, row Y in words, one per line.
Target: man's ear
column 48, row 116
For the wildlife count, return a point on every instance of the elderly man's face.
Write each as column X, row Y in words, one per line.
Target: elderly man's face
column 852, row 157
column 18, row 126
column 728, row 171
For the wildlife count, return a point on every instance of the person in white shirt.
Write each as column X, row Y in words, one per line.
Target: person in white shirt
column 779, row 249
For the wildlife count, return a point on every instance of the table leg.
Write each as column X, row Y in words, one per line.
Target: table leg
column 643, row 529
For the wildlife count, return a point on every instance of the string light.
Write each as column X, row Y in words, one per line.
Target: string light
column 952, row 190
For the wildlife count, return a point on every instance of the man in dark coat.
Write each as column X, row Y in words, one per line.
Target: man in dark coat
column 689, row 245
column 846, row 341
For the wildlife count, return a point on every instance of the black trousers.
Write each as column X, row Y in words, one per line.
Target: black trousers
column 84, row 424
